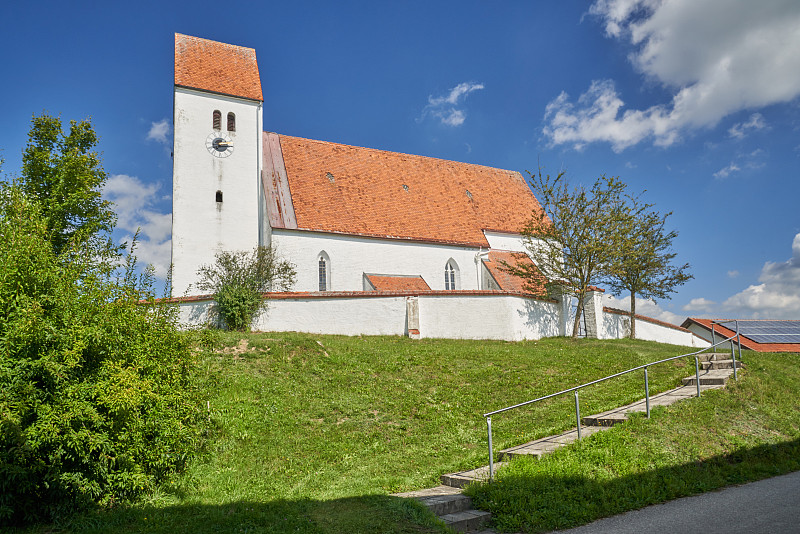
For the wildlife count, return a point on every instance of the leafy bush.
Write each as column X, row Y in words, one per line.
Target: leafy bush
column 239, row 280
column 97, row 402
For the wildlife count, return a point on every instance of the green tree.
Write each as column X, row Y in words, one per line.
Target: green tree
column 238, row 281
column 643, row 259
column 63, row 173
column 569, row 238
column 98, row 395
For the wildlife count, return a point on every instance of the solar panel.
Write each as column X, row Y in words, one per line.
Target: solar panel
column 786, row 331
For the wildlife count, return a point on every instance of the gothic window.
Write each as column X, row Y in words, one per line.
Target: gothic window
column 217, row 120
column 324, row 271
column 231, row 122
column 450, row 275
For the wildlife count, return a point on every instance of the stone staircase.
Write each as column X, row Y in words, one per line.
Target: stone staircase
column 455, row 509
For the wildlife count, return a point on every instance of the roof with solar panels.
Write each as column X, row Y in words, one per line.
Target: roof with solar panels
column 760, row 335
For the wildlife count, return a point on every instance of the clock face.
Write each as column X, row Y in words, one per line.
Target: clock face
column 219, row 144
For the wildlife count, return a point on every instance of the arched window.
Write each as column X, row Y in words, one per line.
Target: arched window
column 231, row 122
column 219, row 196
column 450, row 275
column 217, row 120
column 324, row 271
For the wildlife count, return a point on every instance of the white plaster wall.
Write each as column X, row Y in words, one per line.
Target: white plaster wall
column 351, row 257
column 455, row 317
column 503, row 241
column 194, row 313
column 617, row 326
column 345, row 316
column 201, row 226
column 486, row 317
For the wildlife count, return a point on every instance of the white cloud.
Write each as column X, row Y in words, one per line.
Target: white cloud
column 740, row 130
column 733, row 274
column 133, row 202
column 778, row 294
column 448, row 108
column 751, row 161
column 648, row 308
column 726, row 171
column 716, row 56
column 159, row 132
column 699, row 304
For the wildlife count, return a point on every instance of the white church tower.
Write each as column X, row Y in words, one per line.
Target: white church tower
column 216, row 197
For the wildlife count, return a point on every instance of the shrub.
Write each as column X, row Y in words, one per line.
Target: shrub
column 238, row 281
column 97, row 402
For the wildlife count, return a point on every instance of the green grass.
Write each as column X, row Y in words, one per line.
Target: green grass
column 747, row 432
column 315, row 432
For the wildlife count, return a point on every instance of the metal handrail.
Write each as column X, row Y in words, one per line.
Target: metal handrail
column 575, row 389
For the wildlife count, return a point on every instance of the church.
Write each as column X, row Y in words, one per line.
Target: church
column 349, row 218
column 382, row 242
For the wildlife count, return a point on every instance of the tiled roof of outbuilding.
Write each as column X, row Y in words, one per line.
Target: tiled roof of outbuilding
column 507, row 281
column 398, row 283
column 362, row 191
column 216, row 67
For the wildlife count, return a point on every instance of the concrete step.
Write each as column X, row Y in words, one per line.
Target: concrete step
column 447, row 504
column 466, row 521
column 451, row 506
column 711, row 356
column 720, row 364
column 540, row 447
column 462, row 478
column 710, row 377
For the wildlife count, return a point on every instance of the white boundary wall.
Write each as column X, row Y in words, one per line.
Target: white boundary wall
column 435, row 314
column 617, row 325
column 481, row 315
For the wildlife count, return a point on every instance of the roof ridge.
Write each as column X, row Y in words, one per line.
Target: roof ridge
column 227, row 45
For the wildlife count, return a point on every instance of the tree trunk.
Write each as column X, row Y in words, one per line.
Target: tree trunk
column 633, row 315
column 578, row 312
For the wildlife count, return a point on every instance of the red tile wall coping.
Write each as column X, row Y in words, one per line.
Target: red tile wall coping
column 290, row 295
column 746, row 342
column 646, row 319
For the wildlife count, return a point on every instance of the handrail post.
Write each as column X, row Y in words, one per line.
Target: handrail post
column 578, row 413
column 491, row 453
column 739, row 344
column 697, row 373
column 713, row 337
column 647, row 392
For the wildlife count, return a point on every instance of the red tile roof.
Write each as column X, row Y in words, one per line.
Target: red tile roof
column 510, row 282
column 747, row 343
column 216, row 67
column 362, row 191
column 398, row 283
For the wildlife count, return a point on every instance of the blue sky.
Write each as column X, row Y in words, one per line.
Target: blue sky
column 695, row 102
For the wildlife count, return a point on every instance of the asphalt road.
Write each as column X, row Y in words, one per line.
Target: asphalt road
column 767, row 506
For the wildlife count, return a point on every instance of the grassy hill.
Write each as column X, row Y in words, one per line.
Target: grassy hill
column 314, row 432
